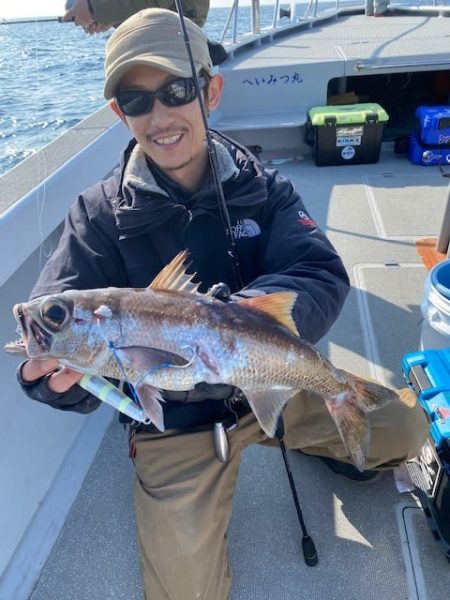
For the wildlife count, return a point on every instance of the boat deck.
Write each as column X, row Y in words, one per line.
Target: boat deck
column 392, row 37
column 372, row 542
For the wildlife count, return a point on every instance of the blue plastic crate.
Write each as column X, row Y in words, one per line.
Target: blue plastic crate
column 428, row 373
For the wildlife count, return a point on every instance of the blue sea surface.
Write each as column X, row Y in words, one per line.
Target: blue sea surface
column 51, row 77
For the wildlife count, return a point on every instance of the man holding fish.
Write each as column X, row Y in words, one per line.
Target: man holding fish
column 101, row 306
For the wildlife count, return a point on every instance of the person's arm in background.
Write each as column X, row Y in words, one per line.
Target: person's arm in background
column 296, row 255
column 98, row 15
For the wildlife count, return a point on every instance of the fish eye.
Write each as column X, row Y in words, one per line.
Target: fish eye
column 54, row 314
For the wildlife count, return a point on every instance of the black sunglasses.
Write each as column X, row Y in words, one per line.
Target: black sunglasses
column 176, row 92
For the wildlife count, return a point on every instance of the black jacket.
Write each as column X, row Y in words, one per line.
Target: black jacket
column 124, row 230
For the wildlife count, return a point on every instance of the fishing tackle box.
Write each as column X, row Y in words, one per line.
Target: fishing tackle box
column 428, row 375
column 347, row 134
column 429, row 143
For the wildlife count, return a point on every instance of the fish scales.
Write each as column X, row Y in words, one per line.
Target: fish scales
column 260, row 356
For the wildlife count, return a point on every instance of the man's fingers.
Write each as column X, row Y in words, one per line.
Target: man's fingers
column 72, row 16
column 91, row 28
column 68, row 16
column 98, row 27
column 82, row 17
column 36, row 368
column 95, row 27
column 62, row 380
column 80, row 13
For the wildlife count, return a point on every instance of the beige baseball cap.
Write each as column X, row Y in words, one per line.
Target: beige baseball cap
column 154, row 37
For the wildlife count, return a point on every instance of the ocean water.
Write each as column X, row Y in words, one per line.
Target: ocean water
column 51, row 77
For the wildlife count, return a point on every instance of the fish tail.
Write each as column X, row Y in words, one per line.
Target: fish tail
column 349, row 409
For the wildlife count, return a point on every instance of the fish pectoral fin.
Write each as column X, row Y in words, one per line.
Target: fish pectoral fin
column 267, row 406
column 174, row 276
column 150, row 399
column 143, row 359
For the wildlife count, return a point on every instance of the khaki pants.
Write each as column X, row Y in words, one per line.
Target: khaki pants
column 183, row 494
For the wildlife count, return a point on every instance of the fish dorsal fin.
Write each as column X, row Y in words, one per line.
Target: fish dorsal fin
column 278, row 305
column 174, row 276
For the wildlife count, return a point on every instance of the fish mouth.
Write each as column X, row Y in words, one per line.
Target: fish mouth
column 17, row 347
column 31, row 330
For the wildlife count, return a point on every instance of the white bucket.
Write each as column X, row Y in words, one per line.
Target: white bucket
column 435, row 308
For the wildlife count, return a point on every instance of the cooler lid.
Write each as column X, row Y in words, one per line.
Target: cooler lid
column 432, row 110
column 346, row 113
column 437, row 114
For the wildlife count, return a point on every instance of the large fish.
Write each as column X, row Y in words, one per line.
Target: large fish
column 169, row 337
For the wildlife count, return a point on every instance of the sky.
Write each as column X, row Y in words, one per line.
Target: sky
column 47, row 8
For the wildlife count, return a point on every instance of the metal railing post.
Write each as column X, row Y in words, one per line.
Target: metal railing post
column 256, row 17
column 235, row 22
column 275, row 14
column 442, row 244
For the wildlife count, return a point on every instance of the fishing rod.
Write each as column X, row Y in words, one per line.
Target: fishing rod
column 224, row 214
column 308, row 547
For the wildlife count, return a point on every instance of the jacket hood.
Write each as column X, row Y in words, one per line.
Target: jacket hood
column 141, row 204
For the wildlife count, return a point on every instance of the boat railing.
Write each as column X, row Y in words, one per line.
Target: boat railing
column 315, row 10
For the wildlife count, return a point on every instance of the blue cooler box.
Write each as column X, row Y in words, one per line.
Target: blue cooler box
column 420, row 154
column 429, row 144
column 428, row 374
column 434, row 124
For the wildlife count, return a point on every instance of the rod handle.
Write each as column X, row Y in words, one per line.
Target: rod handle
column 309, row 551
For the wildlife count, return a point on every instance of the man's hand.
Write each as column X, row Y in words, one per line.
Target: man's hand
column 221, row 291
column 60, row 380
column 81, row 15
